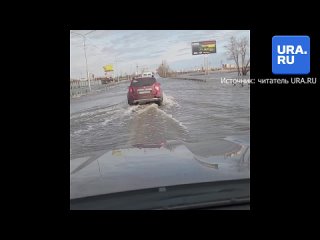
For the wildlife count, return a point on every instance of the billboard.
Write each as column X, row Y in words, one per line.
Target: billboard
column 204, row 47
column 108, row 68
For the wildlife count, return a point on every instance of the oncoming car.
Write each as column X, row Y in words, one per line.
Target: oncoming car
column 144, row 90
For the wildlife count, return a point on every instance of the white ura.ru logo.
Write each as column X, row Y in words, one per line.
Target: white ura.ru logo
column 288, row 49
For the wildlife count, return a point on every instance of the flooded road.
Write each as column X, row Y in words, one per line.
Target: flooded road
column 192, row 112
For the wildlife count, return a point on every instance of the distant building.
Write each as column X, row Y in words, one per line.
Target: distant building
column 228, row 66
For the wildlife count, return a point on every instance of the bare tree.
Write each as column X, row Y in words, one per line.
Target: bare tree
column 239, row 49
column 233, row 52
column 243, row 48
column 163, row 70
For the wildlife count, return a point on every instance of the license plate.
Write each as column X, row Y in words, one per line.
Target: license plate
column 144, row 92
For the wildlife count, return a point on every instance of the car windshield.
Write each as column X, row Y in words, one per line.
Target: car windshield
column 143, row 82
column 190, row 130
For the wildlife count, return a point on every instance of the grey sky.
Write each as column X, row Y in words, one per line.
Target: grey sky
column 146, row 48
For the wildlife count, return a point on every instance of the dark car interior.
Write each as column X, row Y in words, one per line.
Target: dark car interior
column 221, row 195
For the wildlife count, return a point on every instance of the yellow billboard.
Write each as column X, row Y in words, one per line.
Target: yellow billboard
column 108, row 68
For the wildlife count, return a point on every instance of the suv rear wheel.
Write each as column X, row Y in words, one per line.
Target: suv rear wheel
column 160, row 102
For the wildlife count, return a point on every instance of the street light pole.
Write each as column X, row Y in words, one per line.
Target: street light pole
column 117, row 71
column 85, row 53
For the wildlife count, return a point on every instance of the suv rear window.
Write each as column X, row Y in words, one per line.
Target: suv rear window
column 143, row 82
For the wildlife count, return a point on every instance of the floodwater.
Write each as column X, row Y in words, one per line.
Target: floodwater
column 192, row 112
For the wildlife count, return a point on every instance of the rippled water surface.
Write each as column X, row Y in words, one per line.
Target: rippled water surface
column 192, row 111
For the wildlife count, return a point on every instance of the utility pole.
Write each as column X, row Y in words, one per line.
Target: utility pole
column 162, row 69
column 85, row 54
column 205, row 64
column 116, row 66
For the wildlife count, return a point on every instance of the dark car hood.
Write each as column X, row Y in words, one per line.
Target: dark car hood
column 172, row 163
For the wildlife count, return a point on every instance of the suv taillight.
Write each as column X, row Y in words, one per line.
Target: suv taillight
column 156, row 87
column 130, row 90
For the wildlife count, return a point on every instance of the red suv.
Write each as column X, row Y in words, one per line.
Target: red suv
column 144, row 90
